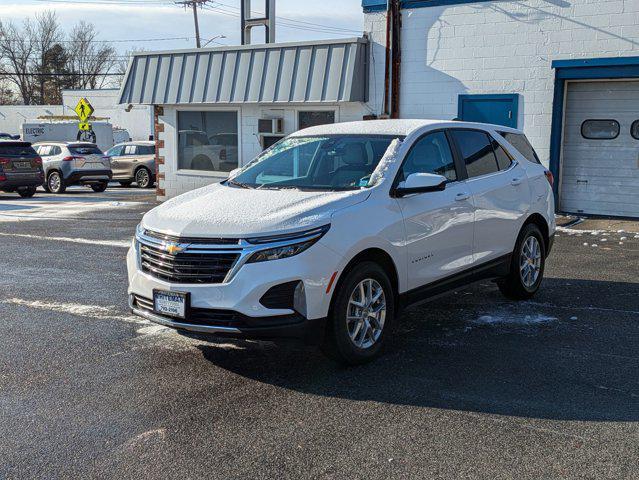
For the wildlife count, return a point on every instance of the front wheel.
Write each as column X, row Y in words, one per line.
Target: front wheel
column 362, row 314
column 99, row 187
column 527, row 265
column 27, row 192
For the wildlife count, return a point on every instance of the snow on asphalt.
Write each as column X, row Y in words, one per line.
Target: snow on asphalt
column 106, row 243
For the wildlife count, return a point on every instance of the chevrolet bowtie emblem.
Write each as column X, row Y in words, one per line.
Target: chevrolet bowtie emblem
column 173, row 248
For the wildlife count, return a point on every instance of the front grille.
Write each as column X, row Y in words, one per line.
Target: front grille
column 186, row 267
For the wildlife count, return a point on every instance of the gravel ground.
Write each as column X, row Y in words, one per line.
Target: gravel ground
column 472, row 386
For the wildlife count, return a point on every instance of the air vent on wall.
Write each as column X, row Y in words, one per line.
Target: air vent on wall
column 270, row 125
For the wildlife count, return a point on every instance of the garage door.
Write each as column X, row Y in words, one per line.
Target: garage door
column 600, row 164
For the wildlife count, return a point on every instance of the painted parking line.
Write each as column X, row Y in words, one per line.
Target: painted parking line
column 85, row 241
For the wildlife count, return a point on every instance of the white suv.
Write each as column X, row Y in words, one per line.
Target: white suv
column 327, row 235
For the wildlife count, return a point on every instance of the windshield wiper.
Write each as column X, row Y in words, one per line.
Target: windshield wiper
column 238, row 184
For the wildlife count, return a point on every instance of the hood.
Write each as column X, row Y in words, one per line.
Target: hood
column 222, row 211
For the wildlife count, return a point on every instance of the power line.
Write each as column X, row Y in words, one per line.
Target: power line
column 58, row 74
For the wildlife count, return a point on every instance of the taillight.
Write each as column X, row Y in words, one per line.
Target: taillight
column 71, row 158
column 223, row 154
column 38, row 160
column 550, row 178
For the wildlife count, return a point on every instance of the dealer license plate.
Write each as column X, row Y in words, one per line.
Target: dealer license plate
column 172, row 304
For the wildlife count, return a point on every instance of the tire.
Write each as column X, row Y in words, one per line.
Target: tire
column 27, row 192
column 99, row 187
column 55, row 183
column 126, row 184
column 528, row 260
column 356, row 342
column 143, row 178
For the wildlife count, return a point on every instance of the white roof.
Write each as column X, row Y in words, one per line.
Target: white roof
column 387, row 127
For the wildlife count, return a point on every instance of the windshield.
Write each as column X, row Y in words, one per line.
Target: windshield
column 341, row 162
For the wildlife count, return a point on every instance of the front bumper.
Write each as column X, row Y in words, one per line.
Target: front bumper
column 233, row 325
column 241, row 296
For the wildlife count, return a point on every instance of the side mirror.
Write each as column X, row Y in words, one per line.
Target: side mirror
column 421, row 183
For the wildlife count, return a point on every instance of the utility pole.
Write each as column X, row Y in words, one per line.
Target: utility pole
column 194, row 4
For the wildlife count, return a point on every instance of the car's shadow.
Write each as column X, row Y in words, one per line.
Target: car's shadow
column 473, row 351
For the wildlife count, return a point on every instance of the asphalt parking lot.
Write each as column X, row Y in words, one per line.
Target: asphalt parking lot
column 473, row 386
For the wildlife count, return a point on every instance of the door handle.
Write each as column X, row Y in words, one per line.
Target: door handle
column 460, row 197
column 516, row 181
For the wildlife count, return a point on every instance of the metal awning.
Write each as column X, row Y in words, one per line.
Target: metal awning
column 327, row 71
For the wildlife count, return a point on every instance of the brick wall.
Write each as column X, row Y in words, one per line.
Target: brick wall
column 499, row 47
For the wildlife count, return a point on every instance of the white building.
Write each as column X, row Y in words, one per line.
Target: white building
column 564, row 71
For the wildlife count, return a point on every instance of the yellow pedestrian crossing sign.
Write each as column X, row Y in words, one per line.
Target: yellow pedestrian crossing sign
column 84, row 126
column 84, row 110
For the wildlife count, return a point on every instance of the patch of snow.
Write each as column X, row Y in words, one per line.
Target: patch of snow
column 385, row 163
column 370, row 127
column 573, row 318
column 585, row 244
column 86, row 241
column 88, row 311
column 621, row 231
column 604, row 240
column 506, row 319
column 594, row 245
column 623, row 238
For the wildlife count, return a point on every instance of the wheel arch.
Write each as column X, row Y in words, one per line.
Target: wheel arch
column 538, row 220
column 378, row 256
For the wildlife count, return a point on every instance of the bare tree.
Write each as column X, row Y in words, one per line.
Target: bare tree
column 16, row 51
column 89, row 60
column 44, row 35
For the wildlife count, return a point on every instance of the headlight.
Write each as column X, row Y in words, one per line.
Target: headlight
column 139, row 230
column 294, row 244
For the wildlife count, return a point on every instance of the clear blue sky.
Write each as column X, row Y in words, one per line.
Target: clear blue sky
column 154, row 19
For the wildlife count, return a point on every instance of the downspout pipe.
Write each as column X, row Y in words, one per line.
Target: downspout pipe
column 387, row 63
column 396, row 51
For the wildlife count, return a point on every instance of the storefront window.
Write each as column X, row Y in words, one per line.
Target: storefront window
column 312, row 119
column 207, row 141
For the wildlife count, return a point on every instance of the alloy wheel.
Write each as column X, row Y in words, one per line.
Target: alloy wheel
column 366, row 313
column 530, row 261
column 54, row 182
column 142, row 178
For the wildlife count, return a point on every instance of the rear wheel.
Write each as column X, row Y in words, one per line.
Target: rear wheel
column 527, row 265
column 361, row 316
column 143, row 178
column 55, row 182
column 99, row 187
column 27, row 192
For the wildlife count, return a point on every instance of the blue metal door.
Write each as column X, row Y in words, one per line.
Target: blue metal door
column 497, row 109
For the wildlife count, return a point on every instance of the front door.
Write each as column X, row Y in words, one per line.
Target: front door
column 117, row 161
column 439, row 225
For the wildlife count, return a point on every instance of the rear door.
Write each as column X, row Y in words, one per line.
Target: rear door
column 118, row 161
column 501, row 195
column 439, row 225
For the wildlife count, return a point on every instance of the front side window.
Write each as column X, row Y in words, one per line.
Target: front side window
column 477, row 151
column 115, row 151
column 430, row 154
column 208, row 141
column 313, row 119
column 332, row 162
column 600, row 129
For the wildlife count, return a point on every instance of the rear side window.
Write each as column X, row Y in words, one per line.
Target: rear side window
column 146, row 150
column 503, row 159
column 600, row 129
column 477, row 151
column 17, row 150
column 84, row 150
column 430, row 154
column 522, row 145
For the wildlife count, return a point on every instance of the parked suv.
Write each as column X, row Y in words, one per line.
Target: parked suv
column 74, row 163
column 328, row 234
column 20, row 168
column 133, row 162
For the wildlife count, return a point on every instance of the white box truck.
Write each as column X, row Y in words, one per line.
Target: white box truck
column 66, row 131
